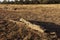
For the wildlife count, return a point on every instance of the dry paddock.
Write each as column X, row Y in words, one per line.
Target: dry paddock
column 36, row 12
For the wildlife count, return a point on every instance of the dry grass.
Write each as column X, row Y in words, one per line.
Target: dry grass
column 10, row 30
column 46, row 13
column 40, row 13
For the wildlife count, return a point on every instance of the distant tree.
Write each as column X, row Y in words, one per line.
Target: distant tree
column 5, row 0
column 44, row 1
column 53, row 1
column 32, row 1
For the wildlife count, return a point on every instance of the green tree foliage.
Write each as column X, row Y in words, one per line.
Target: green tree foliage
column 33, row 1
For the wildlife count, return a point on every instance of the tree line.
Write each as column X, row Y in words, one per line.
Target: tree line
column 31, row 2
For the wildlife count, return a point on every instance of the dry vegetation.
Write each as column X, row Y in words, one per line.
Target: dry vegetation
column 47, row 16
column 9, row 30
column 46, row 13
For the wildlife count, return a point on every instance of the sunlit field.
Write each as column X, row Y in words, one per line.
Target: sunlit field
column 47, row 16
column 40, row 12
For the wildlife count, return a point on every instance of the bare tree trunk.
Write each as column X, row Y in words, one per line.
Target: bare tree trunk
column 5, row 0
column 8, row 0
column 16, row 0
column 21, row 0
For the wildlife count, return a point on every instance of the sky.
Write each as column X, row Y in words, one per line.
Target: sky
column 10, row 0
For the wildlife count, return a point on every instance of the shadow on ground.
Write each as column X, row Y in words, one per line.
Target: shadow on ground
column 50, row 27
